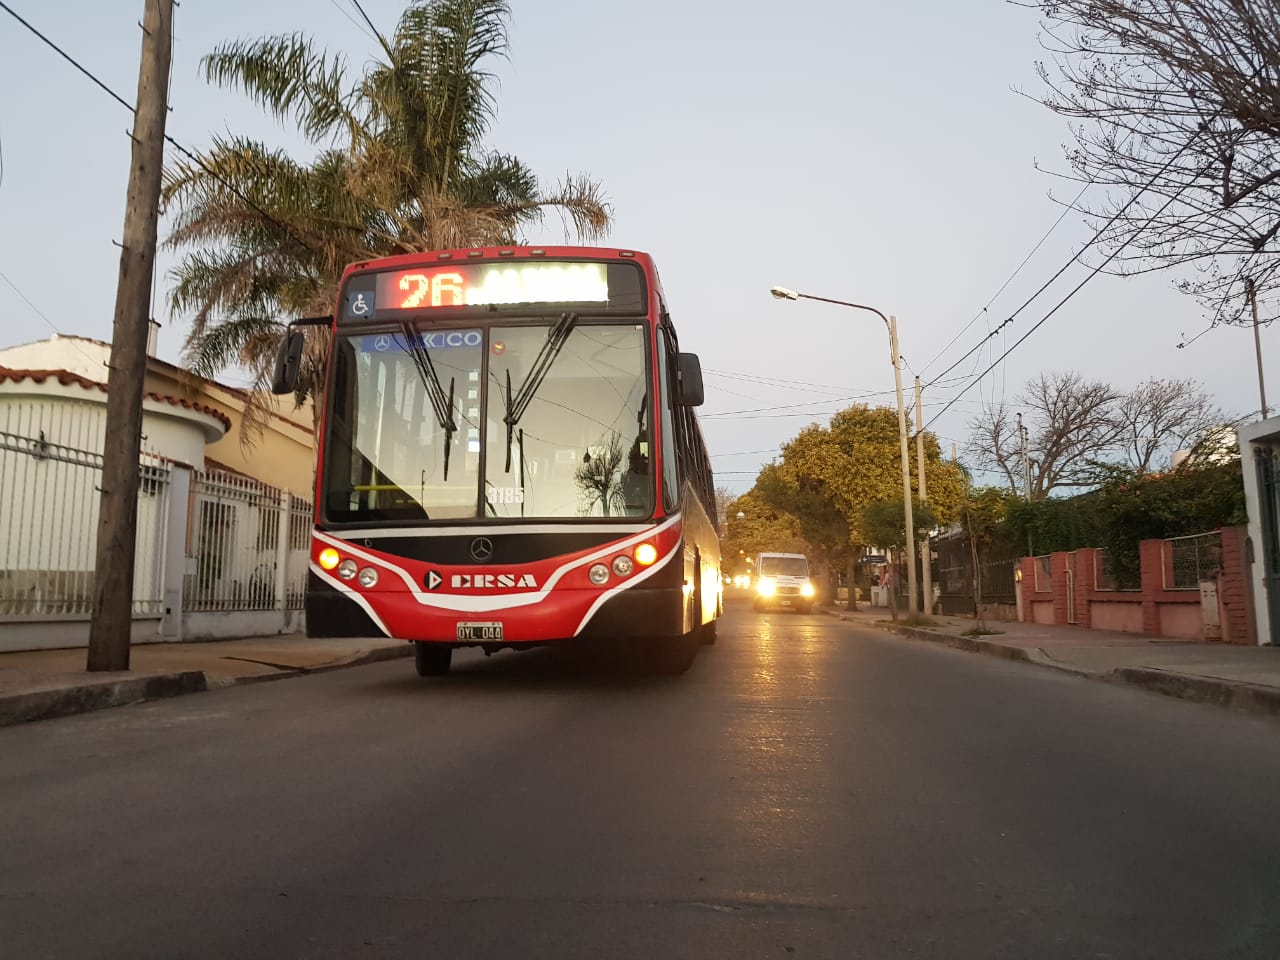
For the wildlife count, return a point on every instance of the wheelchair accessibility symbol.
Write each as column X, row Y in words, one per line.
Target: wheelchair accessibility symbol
column 359, row 306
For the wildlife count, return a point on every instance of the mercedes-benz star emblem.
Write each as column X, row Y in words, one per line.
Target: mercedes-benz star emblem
column 481, row 549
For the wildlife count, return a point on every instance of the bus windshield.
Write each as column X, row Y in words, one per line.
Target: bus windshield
column 563, row 428
column 403, row 428
column 568, row 432
column 783, row 566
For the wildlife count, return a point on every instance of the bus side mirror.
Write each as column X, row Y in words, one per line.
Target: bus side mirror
column 689, row 378
column 288, row 360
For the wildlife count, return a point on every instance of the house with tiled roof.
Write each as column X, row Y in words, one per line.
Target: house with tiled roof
column 279, row 455
column 223, row 519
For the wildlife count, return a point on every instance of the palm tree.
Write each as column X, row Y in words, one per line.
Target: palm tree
column 400, row 167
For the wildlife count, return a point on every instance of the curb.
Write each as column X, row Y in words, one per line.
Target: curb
column 85, row 698
column 1232, row 694
column 376, row 655
column 101, row 695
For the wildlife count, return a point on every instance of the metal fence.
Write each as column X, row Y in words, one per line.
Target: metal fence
column 1190, row 560
column 1043, row 573
column 247, row 546
column 955, row 574
column 50, row 474
column 1105, row 576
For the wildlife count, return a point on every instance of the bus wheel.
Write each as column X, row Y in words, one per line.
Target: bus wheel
column 432, row 659
column 708, row 633
column 670, row 656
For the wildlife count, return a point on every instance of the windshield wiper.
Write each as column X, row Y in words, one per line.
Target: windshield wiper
column 440, row 404
column 519, row 403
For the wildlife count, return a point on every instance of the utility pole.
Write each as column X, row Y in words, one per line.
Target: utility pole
column 906, row 469
column 925, row 548
column 109, row 630
column 1257, row 344
column 1026, row 461
column 1023, row 435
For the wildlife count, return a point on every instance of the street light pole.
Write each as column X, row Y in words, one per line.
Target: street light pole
column 1257, row 345
column 783, row 293
column 926, row 573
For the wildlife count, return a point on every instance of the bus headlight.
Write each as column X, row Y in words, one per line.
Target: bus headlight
column 806, row 589
column 623, row 565
column 347, row 569
column 646, row 554
column 368, row 577
column 598, row 574
column 329, row 558
column 767, row 587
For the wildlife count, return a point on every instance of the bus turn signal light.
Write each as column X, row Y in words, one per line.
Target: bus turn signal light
column 329, row 558
column 646, row 554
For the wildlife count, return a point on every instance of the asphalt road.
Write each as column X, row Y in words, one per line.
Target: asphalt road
column 808, row 789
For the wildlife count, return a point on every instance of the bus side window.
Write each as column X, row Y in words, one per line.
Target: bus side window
column 670, row 474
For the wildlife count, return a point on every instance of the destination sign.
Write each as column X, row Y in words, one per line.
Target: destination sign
column 486, row 284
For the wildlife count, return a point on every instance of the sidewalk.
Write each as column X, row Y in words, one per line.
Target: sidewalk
column 41, row 684
column 1240, row 677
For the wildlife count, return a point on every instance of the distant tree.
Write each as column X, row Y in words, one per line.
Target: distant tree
column 984, row 516
column 1159, row 416
column 762, row 526
column 855, row 461
column 884, row 522
column 1080, row 431
column 1070, row 427
column 724, row 497
column 1185, row 96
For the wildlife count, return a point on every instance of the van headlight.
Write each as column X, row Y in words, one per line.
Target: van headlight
column 806, row 589
column 767, row 587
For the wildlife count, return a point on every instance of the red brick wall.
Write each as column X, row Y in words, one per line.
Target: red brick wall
column 1233, row 589
column 1027, row 588
column 1086, row 576
column 1234, row 599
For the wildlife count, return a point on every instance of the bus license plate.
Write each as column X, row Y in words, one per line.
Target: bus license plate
column 479, row 631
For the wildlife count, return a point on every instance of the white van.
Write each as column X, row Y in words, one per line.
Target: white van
column 782, row 580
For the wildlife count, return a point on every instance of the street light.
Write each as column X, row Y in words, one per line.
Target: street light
column 784, row 293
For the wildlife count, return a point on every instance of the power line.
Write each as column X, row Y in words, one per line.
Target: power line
column 1074, row 259
column 1025, row 260
column 1092, row 273
column 346, row 13
column 66, row 56
column 796, row 406
column 41, row 314
column 168, row 139
column 800, row 385
column 356, row 4
column 743, row 453
column 381, row 40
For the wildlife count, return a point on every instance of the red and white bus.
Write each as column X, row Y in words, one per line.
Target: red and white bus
column 509, row 457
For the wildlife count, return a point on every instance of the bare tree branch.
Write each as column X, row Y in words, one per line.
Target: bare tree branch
column 1146, row 78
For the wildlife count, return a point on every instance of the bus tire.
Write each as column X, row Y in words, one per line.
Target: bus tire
column 672, row 656
column 432, row 659
column 708, row 633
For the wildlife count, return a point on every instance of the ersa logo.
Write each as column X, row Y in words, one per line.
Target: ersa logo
column 482, row 581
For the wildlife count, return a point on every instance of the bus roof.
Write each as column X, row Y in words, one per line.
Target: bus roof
column 501, row 253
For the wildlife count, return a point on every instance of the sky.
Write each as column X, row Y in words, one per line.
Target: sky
column 886, row 154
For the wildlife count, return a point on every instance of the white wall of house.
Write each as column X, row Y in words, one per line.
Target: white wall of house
column 77, row 355
column 51, row 442
column 1263, row 436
